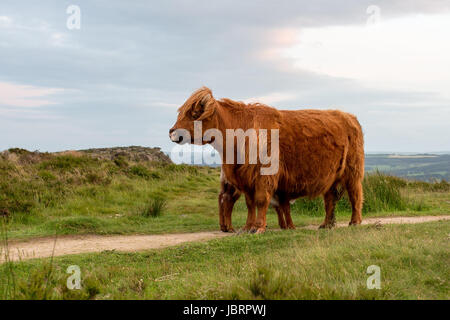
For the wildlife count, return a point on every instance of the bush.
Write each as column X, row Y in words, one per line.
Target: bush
column 121, row 162
column 17, row 196
column 19, row 151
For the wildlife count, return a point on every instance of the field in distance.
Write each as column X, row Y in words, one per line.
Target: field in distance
column 425, row 167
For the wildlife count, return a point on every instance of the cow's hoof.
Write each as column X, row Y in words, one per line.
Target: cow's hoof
column 292, row 227
column 257, row 230
column 326, row 226
column 354, row 223
column 227, row 229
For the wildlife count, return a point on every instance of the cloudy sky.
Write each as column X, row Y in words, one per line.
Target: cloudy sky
column 119, row 79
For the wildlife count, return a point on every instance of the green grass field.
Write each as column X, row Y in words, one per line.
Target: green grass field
column 66, row 194
column 299, row 264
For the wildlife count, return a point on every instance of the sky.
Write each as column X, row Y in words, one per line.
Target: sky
column 118, row 79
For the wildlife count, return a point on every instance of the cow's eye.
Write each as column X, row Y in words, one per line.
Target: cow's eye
column 195, row 115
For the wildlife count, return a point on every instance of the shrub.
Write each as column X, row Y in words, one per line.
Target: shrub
column 121, row 162
column 19, row 151
column 17, row 196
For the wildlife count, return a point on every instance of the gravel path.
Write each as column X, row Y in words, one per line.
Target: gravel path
column 46, row 247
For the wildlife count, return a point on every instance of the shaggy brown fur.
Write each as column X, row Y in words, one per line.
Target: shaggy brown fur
column 320, row 152
column 229, row 195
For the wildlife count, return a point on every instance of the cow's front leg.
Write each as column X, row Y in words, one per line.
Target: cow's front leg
column 262, row 201
column 227, row 198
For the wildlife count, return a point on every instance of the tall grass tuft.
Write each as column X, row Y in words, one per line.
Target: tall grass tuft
column 8, row 282
column 38, row 285
column 154, row 208
column 381, row 193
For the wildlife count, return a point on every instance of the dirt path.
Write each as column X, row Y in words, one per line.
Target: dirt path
column 46, row 247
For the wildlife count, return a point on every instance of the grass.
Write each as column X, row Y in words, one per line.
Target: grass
column 385, row 194
column 155, row 208
column 297, row 264
column 73, row 194
column 76, row 194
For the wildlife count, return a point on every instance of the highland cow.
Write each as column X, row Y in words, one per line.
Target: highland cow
column 320, row 153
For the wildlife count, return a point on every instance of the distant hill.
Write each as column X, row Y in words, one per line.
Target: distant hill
column 424, row 167
column 132, row 153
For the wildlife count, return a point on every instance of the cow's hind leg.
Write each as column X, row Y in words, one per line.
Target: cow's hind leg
column 281, row 221
column 286, row 209
column 355, row 194
column 330, row 199
column 287, row 216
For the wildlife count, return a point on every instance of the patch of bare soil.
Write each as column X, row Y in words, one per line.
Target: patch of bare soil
column 47, row 247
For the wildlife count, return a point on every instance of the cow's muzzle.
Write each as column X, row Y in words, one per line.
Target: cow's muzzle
column 174, row 136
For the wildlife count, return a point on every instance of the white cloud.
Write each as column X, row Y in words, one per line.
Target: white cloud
column 271, row 98
column 5, row 21
column 58, row 39
column 25, row 96
column 409, row 53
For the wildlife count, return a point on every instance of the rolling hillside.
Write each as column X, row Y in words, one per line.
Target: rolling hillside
column 424, row 167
